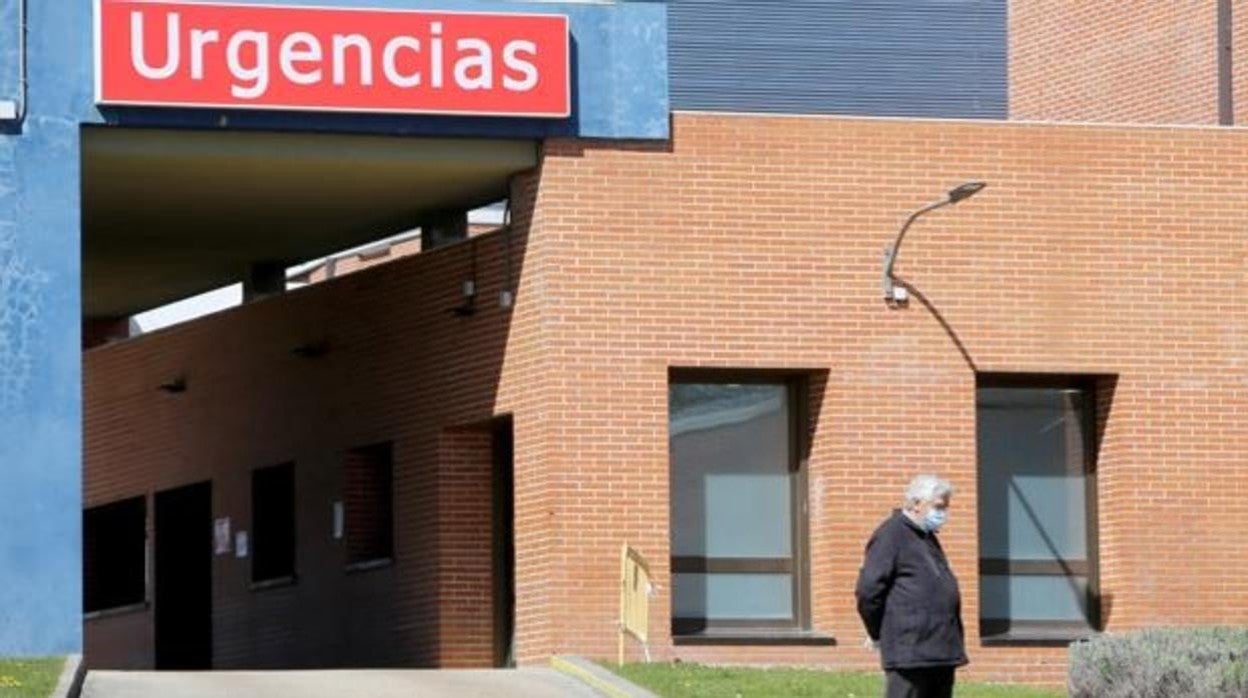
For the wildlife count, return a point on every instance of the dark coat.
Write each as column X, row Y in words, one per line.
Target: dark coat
column 908, row 598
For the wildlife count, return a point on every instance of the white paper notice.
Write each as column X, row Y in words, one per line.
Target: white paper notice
column 240, row 544
column 338, row 520
column 221, row 536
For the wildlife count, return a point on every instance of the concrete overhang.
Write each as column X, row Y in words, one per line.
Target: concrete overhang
column 167, row 214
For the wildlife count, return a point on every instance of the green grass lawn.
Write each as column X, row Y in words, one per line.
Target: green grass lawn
column 29, row 678
column 696, row 681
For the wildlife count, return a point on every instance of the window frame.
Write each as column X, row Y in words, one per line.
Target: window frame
column 292, row 576
column 688, row 629
column 1008, row 631
column 144, row 597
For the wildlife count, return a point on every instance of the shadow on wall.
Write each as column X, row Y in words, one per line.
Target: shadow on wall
column 397, row 361
column 953, row 335
column 1102, row 602
column 1060, row 524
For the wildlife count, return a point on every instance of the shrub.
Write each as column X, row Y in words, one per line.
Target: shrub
column 1162, row 663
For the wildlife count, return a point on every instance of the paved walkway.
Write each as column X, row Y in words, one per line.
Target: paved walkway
column 519, row 683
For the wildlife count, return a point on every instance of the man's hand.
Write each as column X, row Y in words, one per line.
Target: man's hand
column 871, row 645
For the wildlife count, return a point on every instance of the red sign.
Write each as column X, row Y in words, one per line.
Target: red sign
column 152, row 52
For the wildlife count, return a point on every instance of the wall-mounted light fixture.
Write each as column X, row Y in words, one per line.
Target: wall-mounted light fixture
column 469, row 307
column 311, row 350
column 468, row 289
column 507, row 296
column 177, row 385
column 897, row 294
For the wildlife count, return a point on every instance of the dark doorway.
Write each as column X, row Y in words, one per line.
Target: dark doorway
column 502, row 447
column 184, row 578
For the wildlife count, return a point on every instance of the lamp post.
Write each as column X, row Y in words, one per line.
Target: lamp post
column 953, row 196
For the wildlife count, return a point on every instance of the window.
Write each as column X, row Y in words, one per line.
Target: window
column 368, row 504
column 737, row 504
column 114, row 555
column 1037, row 514
column 273, row 523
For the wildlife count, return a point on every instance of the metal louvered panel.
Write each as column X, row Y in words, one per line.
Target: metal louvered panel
column 935, row 58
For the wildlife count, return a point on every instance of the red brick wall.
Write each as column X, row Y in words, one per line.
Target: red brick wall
column 745, row 242
column 1138, row 61
column 756, row 242
column 398, row 369
column 465, row 593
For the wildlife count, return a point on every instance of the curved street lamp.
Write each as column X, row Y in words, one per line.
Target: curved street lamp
column 958, row 193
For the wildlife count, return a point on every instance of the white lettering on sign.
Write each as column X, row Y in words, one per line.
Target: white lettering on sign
column 363, row 58
column 199, row 41
column 172, row 44
column 301, row 47
column 390, row 61
column 182, row 51
column 511, row 57
column 248, row 60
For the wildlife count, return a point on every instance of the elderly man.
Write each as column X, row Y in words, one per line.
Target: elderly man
column 908, row 597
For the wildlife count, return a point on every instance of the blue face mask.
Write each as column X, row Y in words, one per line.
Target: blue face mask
column 935, row 518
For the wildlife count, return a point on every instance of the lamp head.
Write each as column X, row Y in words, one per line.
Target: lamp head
column 965, row 191
column 177, row 385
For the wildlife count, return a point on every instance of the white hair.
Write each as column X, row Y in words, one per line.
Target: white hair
column 926, row 488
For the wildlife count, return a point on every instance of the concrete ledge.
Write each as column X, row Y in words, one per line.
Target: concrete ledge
column 599, row 678
column 72, row 674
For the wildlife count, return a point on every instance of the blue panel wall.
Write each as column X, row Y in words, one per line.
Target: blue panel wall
column 40, row 418
column 927, row 58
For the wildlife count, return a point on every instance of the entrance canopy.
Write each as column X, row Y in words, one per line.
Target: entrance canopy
column 167, row 214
